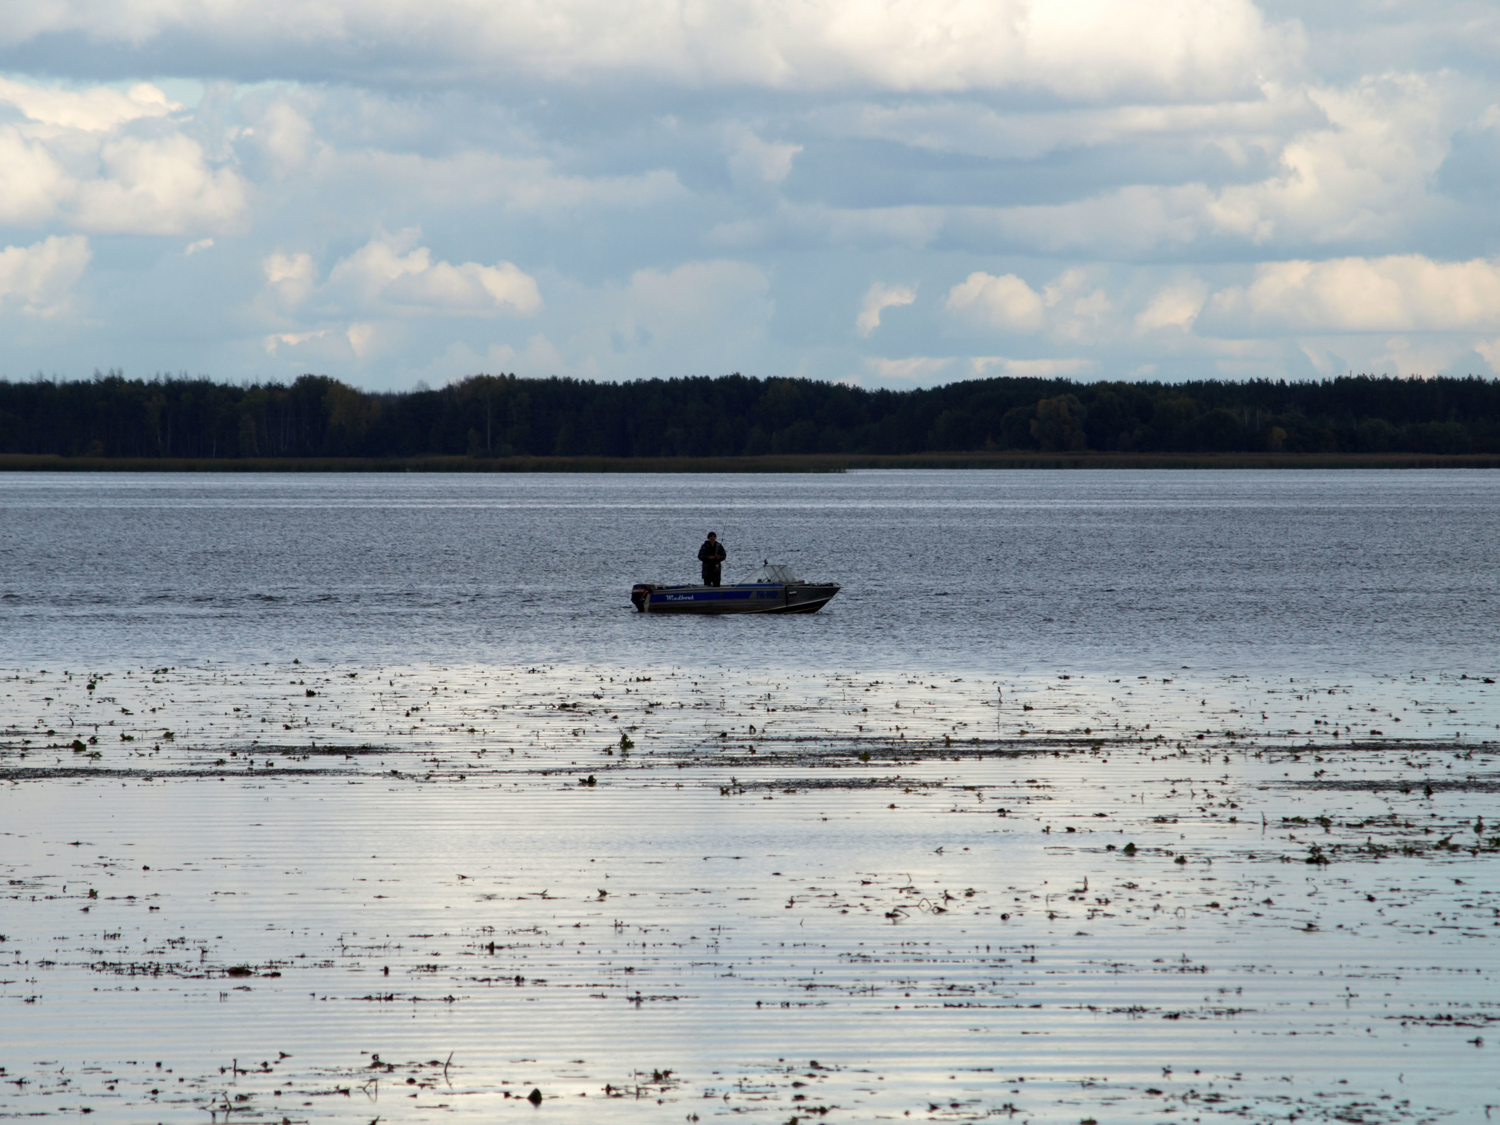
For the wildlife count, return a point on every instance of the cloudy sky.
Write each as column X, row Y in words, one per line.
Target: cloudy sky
column 889, row 192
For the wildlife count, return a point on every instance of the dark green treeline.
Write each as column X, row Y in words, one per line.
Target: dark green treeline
column 500, row 416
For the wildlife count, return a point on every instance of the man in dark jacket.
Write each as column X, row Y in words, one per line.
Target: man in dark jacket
column 711, row 554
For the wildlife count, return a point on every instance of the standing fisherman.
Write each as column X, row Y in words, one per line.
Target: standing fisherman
column 711, row 555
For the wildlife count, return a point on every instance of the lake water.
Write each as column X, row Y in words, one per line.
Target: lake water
column 1092, row 795
column 986, row 571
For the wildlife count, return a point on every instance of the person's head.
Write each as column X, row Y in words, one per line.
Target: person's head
column 711, row 535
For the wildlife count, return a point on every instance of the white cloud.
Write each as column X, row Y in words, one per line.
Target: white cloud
column 282, row 268
column 160, row 186
column 1078, row 310
column 291, row 276
column 1401, row 356
column 75, row 160
column 470, row 286
column 393, row 272
column 1490, row 350
column 921, row 370
column 538, row 359
column 361, row 336
column 698, row 318
column 1075, row 48
column 751, row 158
column 40, row 278
column 372, row 301
column 340, row 344
column 286, row 136
column 877, row 299
column 1364, row 172
column 1175, row 306
column 684, row 302
column 1425, row 355
column 1358, row 178
column 1071, row 308
column 1129, row 163
column 1005, row 302
column 279, row 340
column 31, row 180
column 99, row 109
column 1399, row 293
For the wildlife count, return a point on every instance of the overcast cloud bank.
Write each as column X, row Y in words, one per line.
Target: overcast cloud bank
column 892, row 193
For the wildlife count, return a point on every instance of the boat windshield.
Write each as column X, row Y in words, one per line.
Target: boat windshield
column 779, row 574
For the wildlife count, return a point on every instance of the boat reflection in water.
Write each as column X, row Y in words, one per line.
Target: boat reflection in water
column 772, row 588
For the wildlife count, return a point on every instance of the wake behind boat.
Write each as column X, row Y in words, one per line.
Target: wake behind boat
column 772, row 588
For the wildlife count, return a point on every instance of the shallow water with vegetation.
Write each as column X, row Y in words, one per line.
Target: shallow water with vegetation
column 350, row 800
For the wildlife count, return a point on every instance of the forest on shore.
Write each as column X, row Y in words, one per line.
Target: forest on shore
column 502, row 416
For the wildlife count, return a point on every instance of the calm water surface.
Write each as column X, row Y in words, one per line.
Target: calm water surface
column 371, row 798
column 991, row 571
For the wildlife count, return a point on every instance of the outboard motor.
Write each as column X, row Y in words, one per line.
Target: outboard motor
column 639, row 594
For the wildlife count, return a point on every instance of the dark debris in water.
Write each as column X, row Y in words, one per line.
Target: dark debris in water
column 882, row 872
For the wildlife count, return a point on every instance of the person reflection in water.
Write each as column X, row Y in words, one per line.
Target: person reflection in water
column 711, row 555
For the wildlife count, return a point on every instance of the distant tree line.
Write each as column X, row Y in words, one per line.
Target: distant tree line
column 502, row 415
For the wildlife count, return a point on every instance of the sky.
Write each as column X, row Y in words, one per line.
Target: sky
column 889, row 193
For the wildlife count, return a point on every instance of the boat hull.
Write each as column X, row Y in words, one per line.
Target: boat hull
column 759, row 597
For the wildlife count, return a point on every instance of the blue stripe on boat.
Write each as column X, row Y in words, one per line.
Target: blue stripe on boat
column 704, row 596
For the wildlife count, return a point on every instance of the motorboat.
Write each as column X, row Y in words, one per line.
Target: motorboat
column 771, row 588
